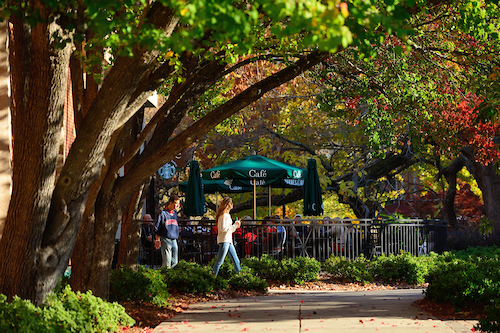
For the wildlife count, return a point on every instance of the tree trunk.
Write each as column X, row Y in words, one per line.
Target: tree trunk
column 104, row 204
column 104, row 246
column 131, row 227
column 489, row 182
column 131, row 232
column 5, row 129
column 81, row 257
column 37, row 122
column 450, row 173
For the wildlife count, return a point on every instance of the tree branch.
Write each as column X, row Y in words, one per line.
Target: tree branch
column 169, row 149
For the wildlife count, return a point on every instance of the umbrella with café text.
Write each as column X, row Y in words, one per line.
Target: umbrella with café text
column 313, row 201
column 195, row 197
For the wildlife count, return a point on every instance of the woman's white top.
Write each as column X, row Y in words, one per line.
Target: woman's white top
column 226, row 229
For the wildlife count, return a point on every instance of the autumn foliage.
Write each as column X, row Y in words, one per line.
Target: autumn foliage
column 461, row 124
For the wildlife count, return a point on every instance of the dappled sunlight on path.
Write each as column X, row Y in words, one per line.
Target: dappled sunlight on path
column 382, row 310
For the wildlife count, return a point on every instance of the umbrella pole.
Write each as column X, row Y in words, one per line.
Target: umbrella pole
column 254, row 200
column 216, row 202
column 269, row 200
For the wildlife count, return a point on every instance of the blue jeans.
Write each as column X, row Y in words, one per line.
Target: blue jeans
column 224, row 249
column 169, row 252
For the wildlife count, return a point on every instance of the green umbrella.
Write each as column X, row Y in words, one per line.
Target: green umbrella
column 256, row 170
column 195, row 197
column 313, row 202
column 260, row 170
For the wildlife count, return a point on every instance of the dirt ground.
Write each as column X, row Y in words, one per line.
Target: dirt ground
column 148, row 317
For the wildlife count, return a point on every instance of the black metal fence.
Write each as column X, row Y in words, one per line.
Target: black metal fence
column 283, row 239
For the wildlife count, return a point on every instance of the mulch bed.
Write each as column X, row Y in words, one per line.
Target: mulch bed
column 148, row 316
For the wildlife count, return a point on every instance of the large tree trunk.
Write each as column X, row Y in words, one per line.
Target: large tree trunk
column 128, row 253
column 5, row 130
column 92, row 260
column 489, row 182
column 38, row 116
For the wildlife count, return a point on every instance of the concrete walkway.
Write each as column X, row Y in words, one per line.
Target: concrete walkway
column 314, row 311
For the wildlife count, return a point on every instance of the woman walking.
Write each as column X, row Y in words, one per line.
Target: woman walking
column 225, row 236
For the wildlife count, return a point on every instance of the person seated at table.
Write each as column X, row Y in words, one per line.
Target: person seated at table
column 249, row 236
column 147, row 234
column 299, row 229
column 188, row 230
column 281, row 234
column 268, row 221
column 280, row 229
column 214, row 230
column 287, row 226
column 202, row 227
column 340, row 233
column 324, row 228
column 266, row 233
column 147, row 225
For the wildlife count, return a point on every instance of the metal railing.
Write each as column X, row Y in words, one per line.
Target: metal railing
column 282, row 239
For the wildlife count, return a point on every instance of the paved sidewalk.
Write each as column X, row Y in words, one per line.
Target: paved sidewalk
column 314, row 311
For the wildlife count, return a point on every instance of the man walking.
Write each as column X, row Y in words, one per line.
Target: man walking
column 167, row 232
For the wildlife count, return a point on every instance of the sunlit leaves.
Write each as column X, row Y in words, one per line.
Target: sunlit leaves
column 414, row 92
column 311, row 23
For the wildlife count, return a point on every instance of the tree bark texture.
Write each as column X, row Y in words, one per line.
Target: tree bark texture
column 93, row 270
column 5, row 129
column 450, row 173
column 488, row 181
column 131, row 232
column 37, row 121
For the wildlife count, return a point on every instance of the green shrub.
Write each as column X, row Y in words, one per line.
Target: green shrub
column 265, row 267
column 356, row 270
column 84, row 312
column 300, row 270
column 247, row 280
column 190, row 277
column 141, row 285
column 462, row 279
column 492, row 321
column 401, row 268
column 22, row 316
column 65, row 311
column 296, row 270
column 469, row 277
column 157, row 289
